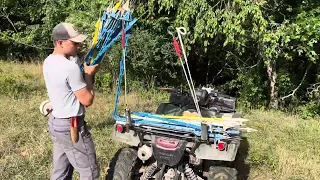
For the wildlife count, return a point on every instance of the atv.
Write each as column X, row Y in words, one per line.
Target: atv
column 212, row 103
column 164, row 152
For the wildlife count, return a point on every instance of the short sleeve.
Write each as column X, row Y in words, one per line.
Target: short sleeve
column 75, row 59
column 75, row 78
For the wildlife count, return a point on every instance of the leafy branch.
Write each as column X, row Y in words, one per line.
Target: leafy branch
column 5, row 15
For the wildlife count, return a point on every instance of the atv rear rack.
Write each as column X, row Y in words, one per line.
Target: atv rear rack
column 224, row 129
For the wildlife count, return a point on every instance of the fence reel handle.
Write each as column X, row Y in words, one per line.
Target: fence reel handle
column 181, row 30
column 171, row 31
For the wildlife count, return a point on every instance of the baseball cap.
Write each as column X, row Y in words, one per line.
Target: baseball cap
column 67, row 31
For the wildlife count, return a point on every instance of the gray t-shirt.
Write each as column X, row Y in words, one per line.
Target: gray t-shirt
column 75, row 59
column 63, row 77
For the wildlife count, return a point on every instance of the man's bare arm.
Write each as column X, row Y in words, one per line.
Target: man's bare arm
column 86, row 95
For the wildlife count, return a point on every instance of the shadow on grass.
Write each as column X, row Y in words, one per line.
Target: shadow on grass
column 240, row 163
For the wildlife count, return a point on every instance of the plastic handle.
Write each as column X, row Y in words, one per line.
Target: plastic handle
column 181, row 30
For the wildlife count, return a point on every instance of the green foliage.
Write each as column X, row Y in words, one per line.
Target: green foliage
column 103, row 82
column 227, row 42
column 309, row 110
column 240, row 26
column 152, row 56
column 11, row 86
column 251, row 89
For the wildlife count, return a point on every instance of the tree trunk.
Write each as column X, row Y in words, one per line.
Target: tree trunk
column 272, row 75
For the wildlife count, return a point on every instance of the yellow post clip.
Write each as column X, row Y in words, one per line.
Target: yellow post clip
column 118, row 6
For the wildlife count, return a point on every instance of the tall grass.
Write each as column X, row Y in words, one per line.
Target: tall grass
column 285, row 147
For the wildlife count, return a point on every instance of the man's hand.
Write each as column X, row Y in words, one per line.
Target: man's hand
column 91, row 70
column 86, row 95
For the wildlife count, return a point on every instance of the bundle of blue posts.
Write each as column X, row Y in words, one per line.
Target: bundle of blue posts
column 112, row 23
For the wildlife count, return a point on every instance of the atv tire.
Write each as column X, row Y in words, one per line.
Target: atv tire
column 222, row 173
column 125, row 165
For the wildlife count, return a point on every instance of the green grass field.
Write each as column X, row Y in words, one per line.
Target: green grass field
column 285, row 147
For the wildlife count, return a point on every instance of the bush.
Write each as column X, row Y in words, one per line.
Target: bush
column 11, row 86
column 309, row 110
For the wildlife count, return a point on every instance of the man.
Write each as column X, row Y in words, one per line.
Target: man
column 75, row 59
column 69, row 92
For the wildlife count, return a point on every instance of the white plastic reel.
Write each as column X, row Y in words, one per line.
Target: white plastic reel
column 45, row 108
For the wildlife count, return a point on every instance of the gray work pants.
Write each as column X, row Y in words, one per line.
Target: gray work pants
column 67, row 155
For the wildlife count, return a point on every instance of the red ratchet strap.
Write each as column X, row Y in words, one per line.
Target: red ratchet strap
column 123, row 38
column 176, row 47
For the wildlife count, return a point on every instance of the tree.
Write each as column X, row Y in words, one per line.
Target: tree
column 264, row 52
column 245, row 33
